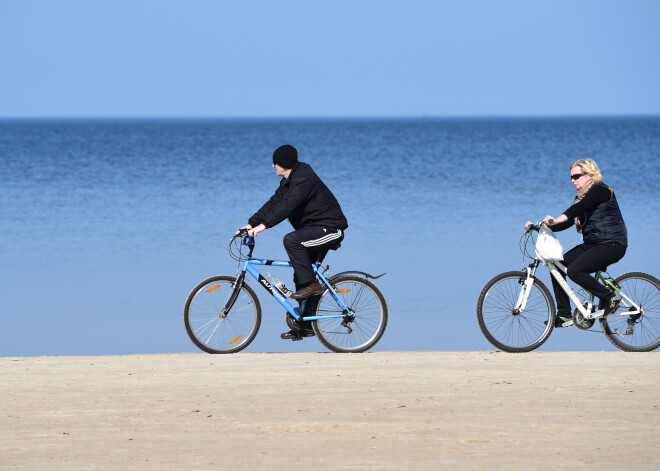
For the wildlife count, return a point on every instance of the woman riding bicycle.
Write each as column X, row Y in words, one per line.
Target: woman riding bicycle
column 596, row 214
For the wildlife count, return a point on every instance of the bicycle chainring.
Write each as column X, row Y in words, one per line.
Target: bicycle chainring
column 291, row 322
column 581, row 322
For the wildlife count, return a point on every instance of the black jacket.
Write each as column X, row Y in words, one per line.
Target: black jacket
column 304, row 199
column 599, row 215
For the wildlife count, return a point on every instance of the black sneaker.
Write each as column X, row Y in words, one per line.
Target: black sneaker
column 611, row 304
column 559, row 321
column 297, row 334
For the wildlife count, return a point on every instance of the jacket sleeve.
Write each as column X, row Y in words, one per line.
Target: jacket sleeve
column 595, row 196
column 258, row 217
column 562, row 226
column 297, row 194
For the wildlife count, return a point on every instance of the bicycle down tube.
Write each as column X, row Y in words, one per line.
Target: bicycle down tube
column 263, row 281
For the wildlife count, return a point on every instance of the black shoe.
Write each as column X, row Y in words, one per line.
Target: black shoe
column 559, row 321
column 297, row 334
column 311, row 290
column 611, row 304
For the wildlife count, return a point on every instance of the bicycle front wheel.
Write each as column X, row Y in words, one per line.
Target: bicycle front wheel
column 512, row 330
column 210, row 327
column 351, row 334
column 636, row 332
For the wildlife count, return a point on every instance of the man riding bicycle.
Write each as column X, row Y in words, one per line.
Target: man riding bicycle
column 315, row 215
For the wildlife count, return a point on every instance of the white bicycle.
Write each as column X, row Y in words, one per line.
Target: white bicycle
column 516, row 311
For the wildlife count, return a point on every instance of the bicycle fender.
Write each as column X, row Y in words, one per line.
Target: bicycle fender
column 361, row 273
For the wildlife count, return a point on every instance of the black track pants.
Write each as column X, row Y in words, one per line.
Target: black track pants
column 304, row 247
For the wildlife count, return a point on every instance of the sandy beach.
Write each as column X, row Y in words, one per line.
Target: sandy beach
column 372, row 411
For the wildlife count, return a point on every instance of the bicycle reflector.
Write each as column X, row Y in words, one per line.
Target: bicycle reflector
column 234, row 340
column 212, row 288
column 342, row 291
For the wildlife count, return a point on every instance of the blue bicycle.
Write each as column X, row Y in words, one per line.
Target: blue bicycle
column 222, row 314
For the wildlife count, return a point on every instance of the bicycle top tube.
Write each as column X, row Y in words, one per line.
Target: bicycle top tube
column 276, row 263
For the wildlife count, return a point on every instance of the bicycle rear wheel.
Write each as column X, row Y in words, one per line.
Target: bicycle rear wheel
column 508, row 329
column 637, row 332
column 213, row 330
column 355, row 333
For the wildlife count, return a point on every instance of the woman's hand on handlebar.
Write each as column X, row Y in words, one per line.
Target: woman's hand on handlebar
column 549, row 220
column 531, row 226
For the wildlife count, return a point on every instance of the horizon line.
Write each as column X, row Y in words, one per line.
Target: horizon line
column 335, row 117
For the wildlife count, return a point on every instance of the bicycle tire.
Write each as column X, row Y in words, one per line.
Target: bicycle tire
column 504, row 328
column 644, row 333
column 360, row 333
column 205, row 325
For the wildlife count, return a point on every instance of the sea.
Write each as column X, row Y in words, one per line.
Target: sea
column 107, row 225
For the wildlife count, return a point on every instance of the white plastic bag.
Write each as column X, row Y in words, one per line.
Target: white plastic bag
column 548, row 246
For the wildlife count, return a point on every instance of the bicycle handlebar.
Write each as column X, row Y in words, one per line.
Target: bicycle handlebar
column 246, row 239
column 537, row 226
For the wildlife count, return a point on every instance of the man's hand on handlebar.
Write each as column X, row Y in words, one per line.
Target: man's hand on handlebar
column 251, row 231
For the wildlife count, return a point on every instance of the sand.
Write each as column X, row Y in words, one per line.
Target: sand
column 370, row 411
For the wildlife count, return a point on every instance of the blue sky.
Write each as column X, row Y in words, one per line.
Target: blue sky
column 345, row 58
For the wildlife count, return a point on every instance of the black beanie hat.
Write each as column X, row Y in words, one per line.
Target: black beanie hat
column 285, row 156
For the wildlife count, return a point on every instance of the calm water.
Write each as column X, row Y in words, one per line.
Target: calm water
column 107, row 225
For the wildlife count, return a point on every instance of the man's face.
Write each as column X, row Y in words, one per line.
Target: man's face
column 281, row 171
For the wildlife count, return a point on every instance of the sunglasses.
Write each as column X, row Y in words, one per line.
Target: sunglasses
column 577, row 175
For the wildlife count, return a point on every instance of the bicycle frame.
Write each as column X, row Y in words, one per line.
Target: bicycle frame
column 554, row 268
column 249, row 267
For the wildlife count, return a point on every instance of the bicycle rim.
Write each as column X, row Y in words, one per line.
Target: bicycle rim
column 365, row 329
column 638, row 333
column 214, row 332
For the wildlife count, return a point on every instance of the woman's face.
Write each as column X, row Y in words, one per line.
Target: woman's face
column 579, row 178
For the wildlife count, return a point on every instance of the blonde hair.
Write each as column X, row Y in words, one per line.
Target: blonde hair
column 589, row 167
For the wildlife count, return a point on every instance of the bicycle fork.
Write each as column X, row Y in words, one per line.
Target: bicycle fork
column 523, row 295
column 234, row 295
